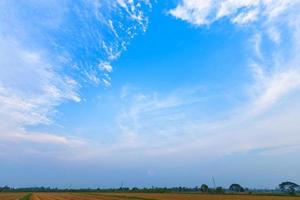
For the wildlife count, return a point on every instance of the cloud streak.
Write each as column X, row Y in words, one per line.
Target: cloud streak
column 266, row 122
column 201, row 12
column 151, row 125
column 276, row 69
column 47, row 57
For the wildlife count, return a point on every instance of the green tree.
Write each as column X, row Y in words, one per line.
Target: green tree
column 236, row 188
column 289, row 187
column 204, row 188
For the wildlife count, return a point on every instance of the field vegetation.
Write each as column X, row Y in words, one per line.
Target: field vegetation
column 138, row 196
column 12, row 196
column 285, row 190
column 151, row 196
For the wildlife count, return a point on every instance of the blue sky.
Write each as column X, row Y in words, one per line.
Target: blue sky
column 151, row 93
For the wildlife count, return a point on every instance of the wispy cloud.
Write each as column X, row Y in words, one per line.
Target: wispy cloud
column 30, row 88
column 149, row 124
column 156, row 125
column 47, row 56
column 259, row 122
column 276, row 68
column 183, row 125
column 202, row 12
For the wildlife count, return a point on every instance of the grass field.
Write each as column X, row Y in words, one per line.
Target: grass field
column 146, row 196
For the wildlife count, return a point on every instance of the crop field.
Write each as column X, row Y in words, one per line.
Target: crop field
column 11, row 196
column 148, row 196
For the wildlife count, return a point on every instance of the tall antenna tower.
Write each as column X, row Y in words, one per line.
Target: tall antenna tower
column 214, row 182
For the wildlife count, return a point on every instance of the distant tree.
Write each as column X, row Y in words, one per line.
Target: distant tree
column 220, row 190
column 289, row 187
column 5, row 189
column 204, row 188
column 236, row 188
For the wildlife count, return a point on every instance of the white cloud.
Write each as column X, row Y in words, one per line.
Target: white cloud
column 106, row 67
column 247, row 17
column 276, row 86
column 30, row 88
column 193, row 11
column 267, row 120
column 183, row 125
column 274, row 35
column 275, row 80
column 178, row 126
column 41, row 138
column 47, row 56
column 173, row 124
column 134, row 15
column 205, row 12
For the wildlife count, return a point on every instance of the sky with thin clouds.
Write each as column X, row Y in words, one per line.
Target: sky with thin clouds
column 149, row 93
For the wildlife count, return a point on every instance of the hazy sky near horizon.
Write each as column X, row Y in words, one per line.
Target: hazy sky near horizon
column 149, row 92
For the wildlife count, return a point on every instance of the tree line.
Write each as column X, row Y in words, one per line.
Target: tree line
column 284, row 187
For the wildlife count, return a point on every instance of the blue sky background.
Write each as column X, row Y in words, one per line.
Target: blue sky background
column 166, row 93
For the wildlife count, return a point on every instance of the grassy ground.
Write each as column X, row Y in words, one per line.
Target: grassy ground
column 26, row 197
